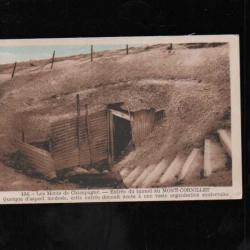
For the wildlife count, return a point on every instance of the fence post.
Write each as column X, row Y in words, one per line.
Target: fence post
column 91, row 52
column 53, row 58
column 88, row 134
column 13, row 71
column 127, row 49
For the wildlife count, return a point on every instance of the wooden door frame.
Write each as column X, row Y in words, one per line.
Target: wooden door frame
column 111, row 114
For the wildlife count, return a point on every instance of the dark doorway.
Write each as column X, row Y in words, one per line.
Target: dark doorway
column 122, row 137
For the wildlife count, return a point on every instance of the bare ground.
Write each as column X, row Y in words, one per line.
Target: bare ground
column 191, row 85
column 12, row 180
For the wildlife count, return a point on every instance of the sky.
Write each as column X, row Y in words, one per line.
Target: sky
column 11, row 54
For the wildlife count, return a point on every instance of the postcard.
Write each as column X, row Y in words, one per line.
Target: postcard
column 120, row 119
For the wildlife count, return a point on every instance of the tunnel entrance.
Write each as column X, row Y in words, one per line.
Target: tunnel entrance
column 128, row 129
column 122, row 137
column 120, row 134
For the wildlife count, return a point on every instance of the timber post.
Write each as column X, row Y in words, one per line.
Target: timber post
column 53, row 58
column 13, row 71
column 88, row 134
column 78, row 126
column 126, row 49
column 91, row 53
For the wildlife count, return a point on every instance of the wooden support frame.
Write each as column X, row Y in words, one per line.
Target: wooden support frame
column 120, row 114
column 89, row 139
column 78, row 112
column 111, row 138
column 111, row 114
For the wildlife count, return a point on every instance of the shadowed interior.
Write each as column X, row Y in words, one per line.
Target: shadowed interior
column 122, row 136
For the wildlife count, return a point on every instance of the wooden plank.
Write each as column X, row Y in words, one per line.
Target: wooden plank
column 40, row 159
column 112, row 137
column 69, row 122
column 120, row 114
column 155, row 175
column 64, row 123
column 63, row 147
column 88, row 134
column 30, row 148
column 108, row 139
column 100, row 143
column 78, row 127
column 64, row 141
column 138, row 182
column 99, row 140
column 93, row 135
column 68, row 135
column 192, row 166
column 63, row 130
column 97, row 114
column 142, row 125
column 170, row 175
column 67, row 155
column 132, row 176
column 125, row 172
column 96, row 125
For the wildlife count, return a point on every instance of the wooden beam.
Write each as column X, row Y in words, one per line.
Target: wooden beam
column 78, row 119
column 91, row 53
column 109, row 140
column 13, row 71
column 89, row 139
column 53, row 58
column 111, row 129
column 120, row 114
column 78, row 111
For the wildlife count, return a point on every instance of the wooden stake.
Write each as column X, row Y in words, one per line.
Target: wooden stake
column 91, row 52
column 53, row 58
column 127, row 49
column 88, row 134
column 78, row 104
column 13, row 71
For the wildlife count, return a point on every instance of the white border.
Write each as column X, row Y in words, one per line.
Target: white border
column 234, row 192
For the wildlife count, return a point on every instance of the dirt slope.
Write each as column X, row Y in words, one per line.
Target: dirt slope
column 192, row 85
column 11, row 180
